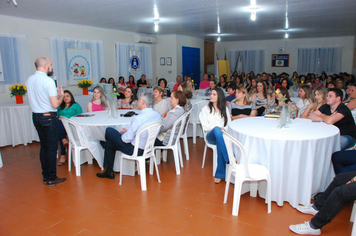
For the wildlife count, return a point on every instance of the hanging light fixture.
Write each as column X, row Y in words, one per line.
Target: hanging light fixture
column 286, row 35
column 219, row 38
column 156, row 18
column 253, row 9
column 156, row 27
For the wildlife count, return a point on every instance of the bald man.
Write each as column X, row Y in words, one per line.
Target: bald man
column 44, row 99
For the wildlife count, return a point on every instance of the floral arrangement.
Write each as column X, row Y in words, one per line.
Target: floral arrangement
column 17, row 89
column 114, row 93
column 84, row 83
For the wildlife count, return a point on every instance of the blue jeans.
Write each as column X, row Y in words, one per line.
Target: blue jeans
column 346, row 141
column 344, row 161
column 330, row 202
column 47, row 128
column 113, row 143
column 62, row 135
column 215, row 137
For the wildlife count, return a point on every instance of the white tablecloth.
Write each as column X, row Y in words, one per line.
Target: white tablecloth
column 16, row 126
column 298, row 157
column 93, row 130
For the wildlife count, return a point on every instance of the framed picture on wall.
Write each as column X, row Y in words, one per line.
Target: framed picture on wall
column 169, row 61
column 162, row 61
column 280, row 60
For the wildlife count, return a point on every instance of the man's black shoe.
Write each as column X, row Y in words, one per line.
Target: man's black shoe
column 106, row 174
column 55, row 182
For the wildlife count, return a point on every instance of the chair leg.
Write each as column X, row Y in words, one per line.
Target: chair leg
column 253, row 188
column 165, row 155
column 215, row 160
column 77, row 161
column 202, row 165
column 157, row 172
column 353, row 212
column 69, row 157
column 142, row 168
column 228, row 177
column 158, row 156
column 268, row 195
column 152, row 159
column 186, row 148
column 180, row 155
column 237, row 196
column 194, row 133
column 176, row 160
column 121, row 168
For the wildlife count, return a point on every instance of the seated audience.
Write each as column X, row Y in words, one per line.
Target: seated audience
column 284, row 83
column 177, row 101
column 275, row 105
column 212, row 84
column 334, row 112
column 187, row 91
column 68, row 108
column 253, row 88
column 99, row 101
column 112, row 81
column 318, row 83
column 162, row 82
column 351, row 101
column 103, row 80
column 306, row 94
column 341, row 190
column 248, row 84
column 130, row 100
column 205, row 83
column 319, row 99
column 331, row 84
column 222, row 83
column 179, row 81
column 242, row 107
column 344, row 161
column 215, row 117
column 261, row 98
column 340, row 85
column 190, row 83
column 121, row 85
column 132, row 82
column 124, row 140
column 143, row 82
column 161, row 105
column 231, row 91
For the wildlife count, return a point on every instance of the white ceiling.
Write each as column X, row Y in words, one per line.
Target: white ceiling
column 198, row 18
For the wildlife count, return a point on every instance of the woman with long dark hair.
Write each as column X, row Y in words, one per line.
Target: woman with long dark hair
column 214, row 117
column 130, row 100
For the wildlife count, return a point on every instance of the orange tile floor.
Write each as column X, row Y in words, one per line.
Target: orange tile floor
column 188, row 204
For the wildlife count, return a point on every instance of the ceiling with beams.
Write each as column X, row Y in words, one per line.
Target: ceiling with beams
column 198, row 18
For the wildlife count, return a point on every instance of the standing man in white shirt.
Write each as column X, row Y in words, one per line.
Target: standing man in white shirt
column 44, row 99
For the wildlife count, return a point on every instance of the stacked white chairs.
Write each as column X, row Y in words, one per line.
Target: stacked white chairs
column 243, row 172
column 194, row 120
column 151, row 131
column 174, row 144
column 212, row 146
column 76, row 142
column 184, row 135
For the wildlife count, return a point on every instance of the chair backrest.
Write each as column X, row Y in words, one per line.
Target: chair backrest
column 196, row 111
column 152, row 130
column 301, row 110
column 108, row 88
column 170, row 85
column 234, row 146
column 173, row 139
column 73, row 132
column 187, row 121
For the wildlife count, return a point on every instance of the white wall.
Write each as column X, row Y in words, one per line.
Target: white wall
column 38, row 31
column 171, row 46
column 291, row 47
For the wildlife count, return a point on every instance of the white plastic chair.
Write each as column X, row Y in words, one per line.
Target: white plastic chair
column 1, row 165
column 108, row 88
column 243, row 172
column 301, row 110
column 152, row 132
column 75, row 142
column 184, row 135
column 354, row 114
column 195, row 119
column 352, row 219
column 174, row 144
column 212, row 146
column 170, row 85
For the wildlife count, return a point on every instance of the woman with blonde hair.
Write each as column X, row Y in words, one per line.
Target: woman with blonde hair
column 306, row 94
column 242, row 107
column 319, row 99
column 99, row 101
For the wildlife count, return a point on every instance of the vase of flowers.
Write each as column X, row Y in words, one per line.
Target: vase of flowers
column 18, row 90
column 283, row 116
column 113, row 104
column 85, row 84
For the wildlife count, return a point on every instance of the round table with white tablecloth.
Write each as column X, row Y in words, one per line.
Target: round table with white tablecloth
column 16, row 126
column 298, row 157
column 93, row 131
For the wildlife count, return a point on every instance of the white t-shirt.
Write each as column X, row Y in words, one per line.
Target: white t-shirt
column 39, row 88
column 302, row 103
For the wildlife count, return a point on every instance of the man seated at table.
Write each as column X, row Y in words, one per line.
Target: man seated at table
column 143, row 82
column 179, row 81
column 341, row 190
column 124, row 140
column 334, row 112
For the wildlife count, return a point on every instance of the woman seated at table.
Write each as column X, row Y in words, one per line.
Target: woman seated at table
column 284, row 83
column 222, row 83
column 212, row 84
column 320, row 94
column 205, row 83
column 68, row 108
column 130, row 100
column 99, row 101
column 215, row 117
column 191, row 84
column 253, row 88
column 112, row 81
column 121, row 86
column 162, row 82
column 275, row 105
column 187, row 91
column 161, row 105
column 103, row 80
column 351, row 101
column 261, row 98
column 132, row 82
column 177, row 101
column 306, row 95
column 242, row 107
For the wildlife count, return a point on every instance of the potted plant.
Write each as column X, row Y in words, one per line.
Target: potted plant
column 18, row 90
column 85, row 84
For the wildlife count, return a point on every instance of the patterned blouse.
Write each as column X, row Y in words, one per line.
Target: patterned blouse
column 273, row 108
column 122, row 104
